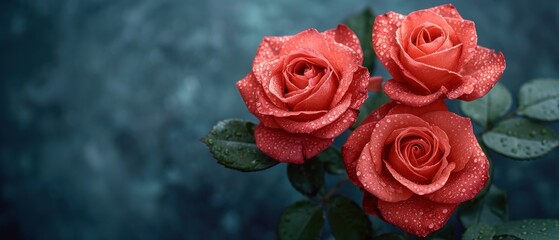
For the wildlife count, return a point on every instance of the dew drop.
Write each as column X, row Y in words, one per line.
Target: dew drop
column 532, row 133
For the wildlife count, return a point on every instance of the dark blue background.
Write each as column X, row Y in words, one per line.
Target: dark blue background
column 103, row 104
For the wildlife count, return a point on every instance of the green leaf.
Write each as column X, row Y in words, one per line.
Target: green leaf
column 521, row 139
column 371, row 105
column 362, row 25
column 532, row 229
column 489, row 210
column 347, row 220
column 390, row 236
column 479, row 232
column 490, row 107
column 307, row 178
column 539, row 99
column 333, row 161
column 232, row 143
column 302, row 220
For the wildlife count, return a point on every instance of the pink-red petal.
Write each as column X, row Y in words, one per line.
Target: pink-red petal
column 384, row 39
column 358, row 88
column 417, row 215
column 466, row 184
column 465, row 31
column 460, row 134
column 401, row 93
column 375, row 84
column 433, row 77
column 311, row 39
column 288, row 147
column 486, row 67
column 422, row 189
column 437, row 105
column 446, row 59
column 337, row 127
column 379, row 113
column 342, row 34
column 249, row 88
column 329, row 117
column 353, row 147
column 270, row 48
column 375, row 182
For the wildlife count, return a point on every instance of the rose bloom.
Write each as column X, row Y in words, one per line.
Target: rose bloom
column 433, row 53
column 305, row 89
column 415, row 165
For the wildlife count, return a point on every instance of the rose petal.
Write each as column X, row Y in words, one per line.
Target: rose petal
column 417, row 215
column 432, row 76
column 287, row 147
column 344, row 61
column 369, row 167
column 467, row 87
column 459, row 130
column 418, row 18
column 447, row 59
column 356, row 141
column 374, row 182
column 383, row 130
column 379, row 113
column 353, row 147
column 384, row 39
column 248, row 87
column 270, row 49
column 370, row 203
column 329, row 117
column 321, row 98
column 343, row 34
column 375, row 84
column 358, row 88
column 437, row 105
column 405, row 162
column 466, row 184
column 265, row 106
column 399, row 92
column 447, row 11
column 311, row 39
column 339, row 126
column 486, row 67
column 265, row 73
column 431, row 47
column 465, row 31
column 422, row 189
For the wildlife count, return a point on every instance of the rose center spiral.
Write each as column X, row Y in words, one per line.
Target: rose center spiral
column 415, row 153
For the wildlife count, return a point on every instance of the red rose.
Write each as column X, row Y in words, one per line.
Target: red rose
column 305, row 89
column 433, row 53
column 415, row 165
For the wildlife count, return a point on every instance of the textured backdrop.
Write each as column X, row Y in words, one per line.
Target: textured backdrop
column 103, row 104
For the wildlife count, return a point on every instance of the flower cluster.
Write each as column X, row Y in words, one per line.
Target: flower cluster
column 413, row 159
